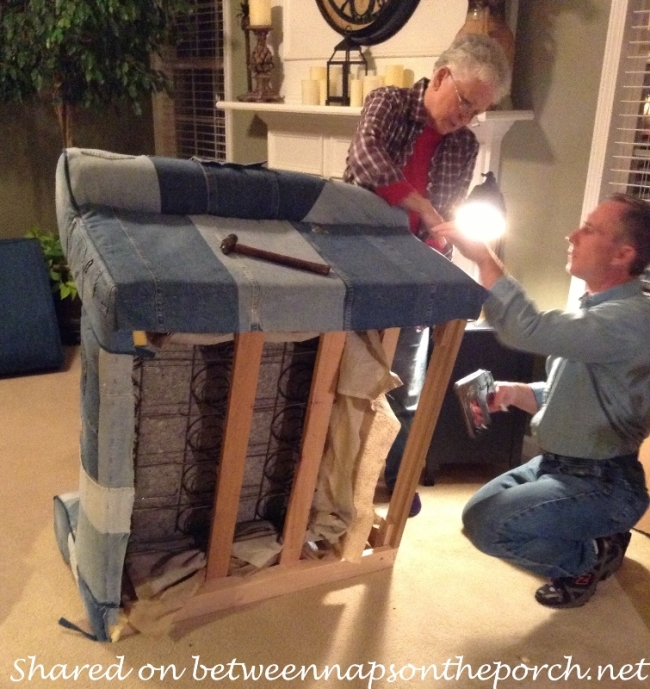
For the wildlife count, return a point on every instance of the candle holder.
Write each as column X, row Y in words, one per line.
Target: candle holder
column 259, row 65
column 346, row 54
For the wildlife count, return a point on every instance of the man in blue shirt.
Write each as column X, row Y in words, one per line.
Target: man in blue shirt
column 566, row 514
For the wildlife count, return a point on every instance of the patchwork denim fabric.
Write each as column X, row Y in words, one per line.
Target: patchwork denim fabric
column 143, row 238
column 165, row 272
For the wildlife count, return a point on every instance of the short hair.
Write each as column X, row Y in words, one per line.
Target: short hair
column 635, row 222
column 481, row 57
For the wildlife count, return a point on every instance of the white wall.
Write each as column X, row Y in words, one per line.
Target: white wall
column 560, row 48
column 302, row 38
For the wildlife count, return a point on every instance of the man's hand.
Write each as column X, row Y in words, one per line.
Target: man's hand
column 496, row 401
column 474, row 250
column 429, row 219
column 489, row 266
column 506, row 394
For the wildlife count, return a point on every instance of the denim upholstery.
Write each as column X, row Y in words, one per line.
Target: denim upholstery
column 142, row 265
column 142, row 236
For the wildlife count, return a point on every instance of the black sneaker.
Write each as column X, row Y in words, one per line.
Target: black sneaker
column 416, row 506
column 618, row 544
column 573, row 592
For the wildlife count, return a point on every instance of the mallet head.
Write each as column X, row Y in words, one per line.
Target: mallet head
column 229, row 243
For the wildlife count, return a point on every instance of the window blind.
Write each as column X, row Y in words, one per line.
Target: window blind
column 188, row 124
column 627, row 162
column 629, row 158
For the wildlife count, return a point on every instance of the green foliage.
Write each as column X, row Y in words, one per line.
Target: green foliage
column 86, row 54
column 57, row 266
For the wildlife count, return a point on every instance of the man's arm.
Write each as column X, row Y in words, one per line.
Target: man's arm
column 423, row 207
column 404, row 195
column 598, row 335
column 490, row 269
column 368, row 163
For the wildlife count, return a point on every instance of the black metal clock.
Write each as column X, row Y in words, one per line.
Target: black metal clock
column 367, row 22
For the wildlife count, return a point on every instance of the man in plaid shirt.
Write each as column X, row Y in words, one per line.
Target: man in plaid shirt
column 413, row 148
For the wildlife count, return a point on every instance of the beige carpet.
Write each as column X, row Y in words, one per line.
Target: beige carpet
column 442, row 599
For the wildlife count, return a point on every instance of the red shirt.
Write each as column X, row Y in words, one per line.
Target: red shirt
column 416, row 174
column 416, row 178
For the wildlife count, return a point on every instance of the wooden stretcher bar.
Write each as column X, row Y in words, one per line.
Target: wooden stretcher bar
column 246, row 367
column 222, row 592
column 447, row 339
column 319, row 409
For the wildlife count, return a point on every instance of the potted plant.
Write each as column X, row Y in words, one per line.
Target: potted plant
column 64, row 291
column 80, row 54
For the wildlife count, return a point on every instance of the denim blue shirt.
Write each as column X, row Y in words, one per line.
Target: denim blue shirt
column 596, row 399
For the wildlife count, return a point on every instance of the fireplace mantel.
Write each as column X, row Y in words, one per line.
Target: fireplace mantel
column 315, row 138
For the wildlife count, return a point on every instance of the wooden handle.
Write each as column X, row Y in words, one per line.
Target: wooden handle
column 289, row 261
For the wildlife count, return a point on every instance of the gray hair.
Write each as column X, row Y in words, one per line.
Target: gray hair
column 481, row 57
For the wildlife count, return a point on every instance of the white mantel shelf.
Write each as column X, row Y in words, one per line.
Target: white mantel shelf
column 348, row 111
column 290, row 108
column 315, row 138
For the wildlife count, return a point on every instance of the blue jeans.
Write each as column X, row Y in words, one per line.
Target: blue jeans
column 410, row 364
column 545, row 514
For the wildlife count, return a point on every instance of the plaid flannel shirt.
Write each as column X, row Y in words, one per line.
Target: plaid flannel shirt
column 391, row 121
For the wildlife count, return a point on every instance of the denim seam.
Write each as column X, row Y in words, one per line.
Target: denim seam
column 158, row 301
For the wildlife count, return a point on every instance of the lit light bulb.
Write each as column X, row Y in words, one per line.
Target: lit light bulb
column 480, row 221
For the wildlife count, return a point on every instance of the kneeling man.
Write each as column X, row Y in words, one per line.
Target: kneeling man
column 567, row 513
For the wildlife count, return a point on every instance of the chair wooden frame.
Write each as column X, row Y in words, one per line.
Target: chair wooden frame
column 221, row 591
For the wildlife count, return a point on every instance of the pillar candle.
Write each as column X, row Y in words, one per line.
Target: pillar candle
column 370, row 84
column 259, row 12
column 408, row 78
column 322, row 91
column 394, row 75
column 356, row 92
column 310, row 92
column 318, row 73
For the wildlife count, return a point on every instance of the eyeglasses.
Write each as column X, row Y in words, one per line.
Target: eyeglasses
column 465, row 107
